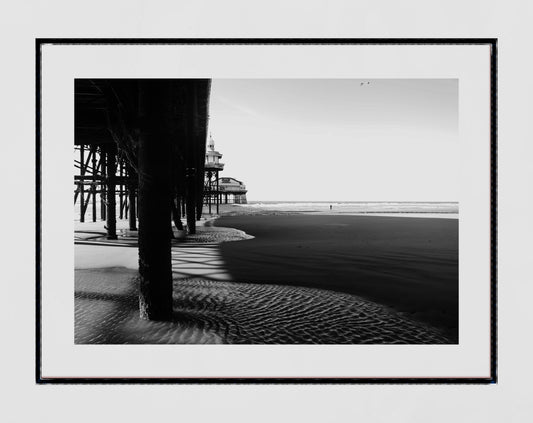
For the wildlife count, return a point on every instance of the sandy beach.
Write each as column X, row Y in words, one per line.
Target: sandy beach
column 254, row 276
column 208, row 311
column 409, row 264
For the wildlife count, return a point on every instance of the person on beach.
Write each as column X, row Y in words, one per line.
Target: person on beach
column 330, row 206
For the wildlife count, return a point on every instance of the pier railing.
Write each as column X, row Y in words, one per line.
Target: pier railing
column 214, row 165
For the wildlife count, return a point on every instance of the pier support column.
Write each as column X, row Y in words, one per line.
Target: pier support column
column 218, row 195
column 154, row 154
column 93, row 186
column 120, row 191
column 190, row 206
column 82, row 183
column 103, row 174
column 111, row 163
column 132, row 211
column 176, row 218
column 210, row 191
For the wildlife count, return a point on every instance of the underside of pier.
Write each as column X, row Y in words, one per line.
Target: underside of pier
column 140, row 149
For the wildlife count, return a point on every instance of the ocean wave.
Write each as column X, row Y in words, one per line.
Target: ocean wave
column 358, row 207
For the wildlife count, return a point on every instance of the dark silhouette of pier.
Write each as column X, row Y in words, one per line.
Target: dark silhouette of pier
column 140, row 147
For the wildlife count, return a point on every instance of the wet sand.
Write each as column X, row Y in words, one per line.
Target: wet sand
column 214, row 312
column 302, row 280
column 407, row 264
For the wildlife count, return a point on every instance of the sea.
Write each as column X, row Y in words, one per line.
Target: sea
column 442, row 209
column 449, row 210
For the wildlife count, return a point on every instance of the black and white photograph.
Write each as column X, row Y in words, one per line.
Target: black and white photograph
column 266, row 211
column 300, row 211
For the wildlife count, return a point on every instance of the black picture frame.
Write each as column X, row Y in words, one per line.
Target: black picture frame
column 492, row 42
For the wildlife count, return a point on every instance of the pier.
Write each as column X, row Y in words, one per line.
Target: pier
column 139, row 150
column 233, row 191
column 220, row 190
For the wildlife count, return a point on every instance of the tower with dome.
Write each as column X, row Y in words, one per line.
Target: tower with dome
column 216, row 189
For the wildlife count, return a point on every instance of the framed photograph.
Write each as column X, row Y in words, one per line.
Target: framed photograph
column 266, row 211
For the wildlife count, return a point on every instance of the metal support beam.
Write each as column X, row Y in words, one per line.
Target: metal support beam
column 121, row 190
column 176, row 214
column 218, row 195
column 93, row 186
column 191, row 199
column 132, row 213
column 111, row 221
column 81, row 186
column 209, row 189
column 103, row 196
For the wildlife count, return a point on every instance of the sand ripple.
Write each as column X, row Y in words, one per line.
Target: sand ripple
column 274, row 314
column 207, row 311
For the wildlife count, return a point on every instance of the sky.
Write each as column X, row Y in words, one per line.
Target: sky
column 339, row 139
